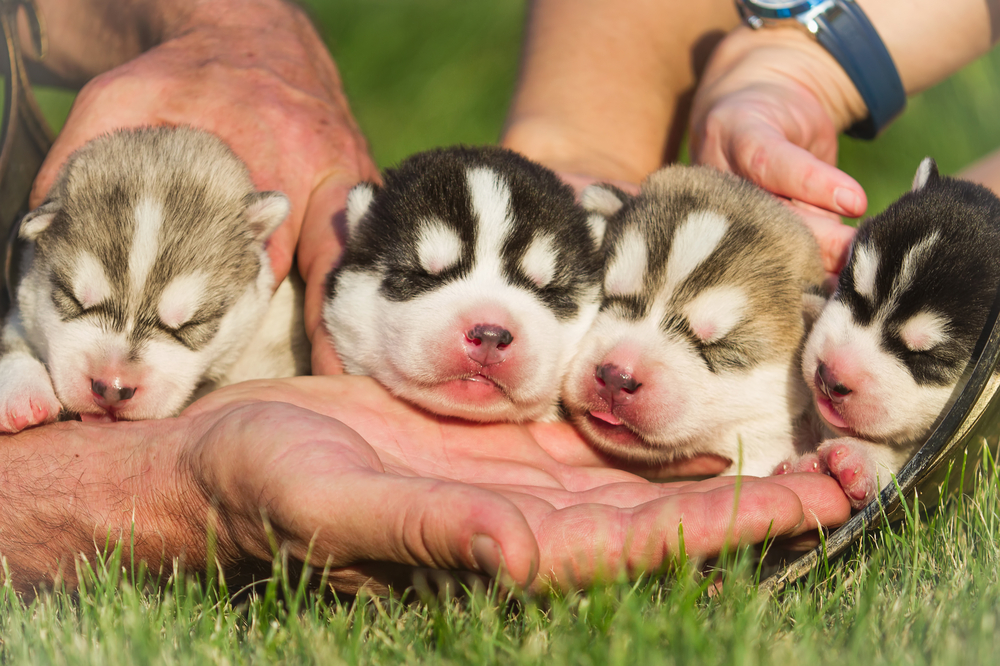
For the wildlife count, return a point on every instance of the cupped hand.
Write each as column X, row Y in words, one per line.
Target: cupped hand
column 379, row 490
column 769, row 108
column 263, row 82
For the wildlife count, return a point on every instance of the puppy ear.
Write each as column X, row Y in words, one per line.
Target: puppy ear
column 265, row 212
column 359, row 200
column 38, row 220
column 602, row 201
column 814, row 299
column 927, row 172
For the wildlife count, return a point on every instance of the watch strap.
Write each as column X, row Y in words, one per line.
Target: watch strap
column 846, row 32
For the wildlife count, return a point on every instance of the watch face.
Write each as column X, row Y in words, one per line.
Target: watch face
column 782, row 8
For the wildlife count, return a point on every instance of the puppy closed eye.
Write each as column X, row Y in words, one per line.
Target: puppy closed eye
column 924, row 331
column 715, row 312
column 181, row 299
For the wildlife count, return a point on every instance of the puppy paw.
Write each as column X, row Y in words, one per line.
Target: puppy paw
column 850, row 461
column 26, row 395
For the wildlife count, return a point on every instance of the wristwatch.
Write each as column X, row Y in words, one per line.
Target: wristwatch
column 842, row 28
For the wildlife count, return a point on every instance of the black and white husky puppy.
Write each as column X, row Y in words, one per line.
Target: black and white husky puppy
column 708, row 285
column 888, row 354
column 144, row 277
column 466, row 283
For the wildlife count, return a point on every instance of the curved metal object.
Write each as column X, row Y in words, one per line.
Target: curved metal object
column 26, row 136
column 945, row 463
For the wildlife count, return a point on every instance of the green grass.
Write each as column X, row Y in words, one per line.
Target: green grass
column 925, row 593
column 422, row 73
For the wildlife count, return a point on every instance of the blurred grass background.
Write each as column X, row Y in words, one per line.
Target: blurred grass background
column 425, row 73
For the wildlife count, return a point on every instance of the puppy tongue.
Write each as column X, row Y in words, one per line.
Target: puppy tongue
column 607, row 417
column 98, row 418
column 831, row 415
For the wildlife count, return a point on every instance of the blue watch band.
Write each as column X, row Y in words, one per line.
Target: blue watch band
column 846, row 32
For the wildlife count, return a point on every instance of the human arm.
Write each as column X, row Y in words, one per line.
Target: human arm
column 376, row 488
column 772, row 101
column 604, row 87
column 253, row 72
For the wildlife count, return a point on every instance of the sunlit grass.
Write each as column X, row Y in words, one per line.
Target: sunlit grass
column 924, row 592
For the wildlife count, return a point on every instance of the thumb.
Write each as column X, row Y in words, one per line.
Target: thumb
column 436, row 524
column 321, row 242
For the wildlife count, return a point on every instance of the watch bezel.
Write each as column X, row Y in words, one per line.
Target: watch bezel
column 790, row 8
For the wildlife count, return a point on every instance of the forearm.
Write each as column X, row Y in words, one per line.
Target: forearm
column 89, row 37
column 68, row 488
column 604, row 87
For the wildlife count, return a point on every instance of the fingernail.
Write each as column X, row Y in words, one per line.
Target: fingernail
column 848, row 201
column 487, row 554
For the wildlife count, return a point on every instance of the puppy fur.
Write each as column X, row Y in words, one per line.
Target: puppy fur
column 707, row 288
column 143, row 279
column 889, row 353
column 466, row 283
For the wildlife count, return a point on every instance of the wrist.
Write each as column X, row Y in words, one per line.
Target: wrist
column 69, row 489
column 782, row 57
column 557, row 145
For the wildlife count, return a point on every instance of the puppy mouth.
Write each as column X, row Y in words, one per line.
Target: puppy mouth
column 606, row 417
column 105, row 417
column 833, row 418
column 480, row 377
column 611, row 428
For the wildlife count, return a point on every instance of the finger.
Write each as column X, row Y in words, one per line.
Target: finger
column 564, row 444
column 321, row 241
column 833, row 236
column 424, row 523
column 823, row 500
column 324, row 490
column 765, row 156
column 585, row 544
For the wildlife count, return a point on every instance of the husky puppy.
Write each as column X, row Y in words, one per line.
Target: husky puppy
column 886, row 357
column 466, row 283
column 696, row 346
column 143, row 277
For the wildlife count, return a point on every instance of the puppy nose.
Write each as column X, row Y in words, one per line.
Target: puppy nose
column 828, row 382
column 110, row 395
column 487, row 344
column 614, row 385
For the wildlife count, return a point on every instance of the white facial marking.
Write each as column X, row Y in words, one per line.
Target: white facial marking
column 181, row 298
column 90, row 282
column 539, row 262
column 911, row 263
column 439, row 247
column 715, row 312
column 694, row 241
column 924, row 331
column 866, row 262
column 145, row 242
column 491, row 204
column 627, row 268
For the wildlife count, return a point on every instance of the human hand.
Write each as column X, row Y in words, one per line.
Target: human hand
column 259, row 77
column 769, row 108
column 378, row 489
